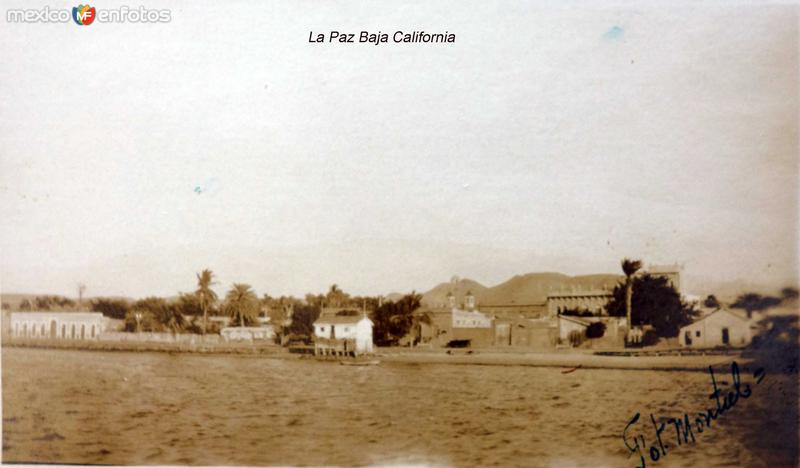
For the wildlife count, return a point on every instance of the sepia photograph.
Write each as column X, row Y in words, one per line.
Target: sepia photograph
column 400, row 234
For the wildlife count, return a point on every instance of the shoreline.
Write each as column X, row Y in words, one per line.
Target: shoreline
column 571, row 360
column 266, row 349
column 564, row 359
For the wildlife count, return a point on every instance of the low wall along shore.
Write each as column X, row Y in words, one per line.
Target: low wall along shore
column 152, row 337
column 151, row 342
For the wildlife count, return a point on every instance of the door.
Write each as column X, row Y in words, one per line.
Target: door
column 53, row 329
column 687, row 338
column 726, row 338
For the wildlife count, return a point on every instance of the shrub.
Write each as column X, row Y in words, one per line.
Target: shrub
column 650, row 338
column 596, row 330
column 576, row 337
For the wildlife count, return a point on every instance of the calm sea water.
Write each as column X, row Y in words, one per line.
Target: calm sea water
column 156, row 408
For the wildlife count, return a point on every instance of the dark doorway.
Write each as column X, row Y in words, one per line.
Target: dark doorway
column 726, row 339
column 687, row 338
column 53, row 329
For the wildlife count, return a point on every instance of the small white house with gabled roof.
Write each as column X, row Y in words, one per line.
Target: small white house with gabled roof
column 719, row 328
column 348, row 330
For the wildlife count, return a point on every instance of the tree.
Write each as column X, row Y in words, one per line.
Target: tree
column 629, row 267
column 113, row 308
column 789, row 293
column 189, row 304
column 170, row 318
column 53, row 303
column 153, row 314
column 336, row 297
column 393, row 320
column 241, row 305
column 654, row 302
column 315, row 300
column 25, row 305
column 303, row 318
column 207, row 296
column 596, row 330
column 752, row 302
column 280, row 312
column 711, row 302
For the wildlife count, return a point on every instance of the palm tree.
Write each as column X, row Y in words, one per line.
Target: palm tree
column 629, row 267
column 172, row 319
column 204, row 292
column 241, row 304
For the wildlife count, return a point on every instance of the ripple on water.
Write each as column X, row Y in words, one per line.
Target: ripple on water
column 249, row 411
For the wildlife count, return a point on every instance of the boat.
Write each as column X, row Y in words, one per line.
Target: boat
column 360, row 362
column 573, row 369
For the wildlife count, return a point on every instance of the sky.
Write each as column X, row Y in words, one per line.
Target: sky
column 550, row 136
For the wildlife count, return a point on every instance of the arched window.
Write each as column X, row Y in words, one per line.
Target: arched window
column 92, row 331
column 82, row 331
column 73, row 331
column 63, row 331
column 25, row 330
column 42, row 331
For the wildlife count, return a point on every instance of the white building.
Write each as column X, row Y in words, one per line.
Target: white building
column 58, row 325
column 720, row 328
column 262, row 333
column 356, row 329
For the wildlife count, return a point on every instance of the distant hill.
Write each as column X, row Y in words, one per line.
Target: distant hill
column 531, row 288
column 394, row 296
column 460, row 287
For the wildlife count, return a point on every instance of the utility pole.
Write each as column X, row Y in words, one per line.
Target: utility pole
column 81, row 290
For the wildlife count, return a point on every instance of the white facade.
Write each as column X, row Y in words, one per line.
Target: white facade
column 470, row 319
column 58, row 325
column 594, row 301
column 358, row 329
column 263, row 333
column 720, row 328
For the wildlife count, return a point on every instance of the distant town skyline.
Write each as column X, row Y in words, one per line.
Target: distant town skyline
column 553, row 139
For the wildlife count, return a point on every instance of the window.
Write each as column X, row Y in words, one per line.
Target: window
column 322, row 329
column 347, row 329
column 697, row 333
